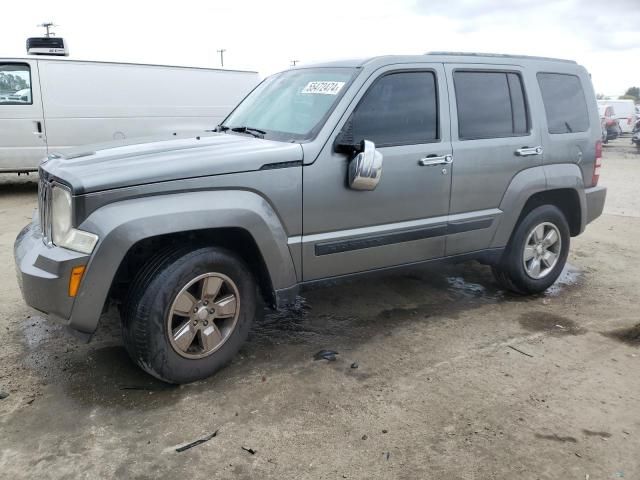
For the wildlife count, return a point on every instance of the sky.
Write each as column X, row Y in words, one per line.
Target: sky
column 266, row 35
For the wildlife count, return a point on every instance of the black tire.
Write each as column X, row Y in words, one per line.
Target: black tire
column 511, row 274
column 152, row 293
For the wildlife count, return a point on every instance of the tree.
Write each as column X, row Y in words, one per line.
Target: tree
column 633, row 92
column 12, row 83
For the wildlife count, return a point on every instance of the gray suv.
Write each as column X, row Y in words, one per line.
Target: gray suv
column 322, row 172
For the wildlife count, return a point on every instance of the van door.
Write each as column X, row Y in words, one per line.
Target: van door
column 493, row 137
column 22, row 136
column 404, row 111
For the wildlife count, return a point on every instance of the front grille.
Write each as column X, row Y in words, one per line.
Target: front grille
column 44, row 207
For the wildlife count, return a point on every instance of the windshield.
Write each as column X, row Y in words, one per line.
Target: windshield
column 292, row 105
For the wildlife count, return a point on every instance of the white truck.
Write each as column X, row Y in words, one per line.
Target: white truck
column 625, row 113
column 52, row 104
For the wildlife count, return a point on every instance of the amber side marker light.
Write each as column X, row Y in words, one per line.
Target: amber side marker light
column 75, row 279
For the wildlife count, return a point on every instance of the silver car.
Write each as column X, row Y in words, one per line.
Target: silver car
column 323, row 172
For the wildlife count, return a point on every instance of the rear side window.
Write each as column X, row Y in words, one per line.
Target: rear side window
column 15, row 84
column 490, row 105
column 399, row 109
column 564, row 102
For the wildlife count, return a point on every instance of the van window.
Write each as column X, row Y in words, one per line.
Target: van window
column 490, row 104
column 564, row 102
column 15, row 84
column 399, row 109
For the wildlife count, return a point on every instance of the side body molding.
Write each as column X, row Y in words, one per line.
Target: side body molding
column 531, row 181
column 122, row 224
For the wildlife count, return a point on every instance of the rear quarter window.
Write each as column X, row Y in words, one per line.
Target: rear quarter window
column 564, row 103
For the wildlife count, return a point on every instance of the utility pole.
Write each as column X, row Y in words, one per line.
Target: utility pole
column 221, row 52
column 294, row 62
column 48, row 26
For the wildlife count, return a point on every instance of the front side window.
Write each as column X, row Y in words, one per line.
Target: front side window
column 564, row 103
column 15, row 84
column 399, row 109
column 292, row 105
column 490, row 105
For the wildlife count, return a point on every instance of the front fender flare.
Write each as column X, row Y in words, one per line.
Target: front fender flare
column 121, row 225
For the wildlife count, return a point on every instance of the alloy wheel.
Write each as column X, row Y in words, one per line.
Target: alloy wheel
column 541, row 250
column 203, row 315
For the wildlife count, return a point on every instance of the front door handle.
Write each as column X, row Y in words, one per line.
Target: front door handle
column 527, row 151
column 431, row 161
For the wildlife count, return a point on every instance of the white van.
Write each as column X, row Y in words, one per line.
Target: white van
column 625, row 113
column 52, row 104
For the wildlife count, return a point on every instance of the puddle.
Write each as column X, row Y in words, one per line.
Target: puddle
column 459, row 284
column 347, row 311
column 295, row 324
column 630, row 336
column 549, row 322
column 571, row 276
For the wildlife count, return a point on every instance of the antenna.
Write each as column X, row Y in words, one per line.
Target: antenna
column 294, row 62
column 221, row 52
column 47, row 26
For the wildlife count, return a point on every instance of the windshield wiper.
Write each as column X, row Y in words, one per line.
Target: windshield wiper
column 256, row 132
column 569, row 129
column 221, row 128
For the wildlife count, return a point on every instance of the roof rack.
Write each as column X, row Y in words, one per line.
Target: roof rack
column 499, row 55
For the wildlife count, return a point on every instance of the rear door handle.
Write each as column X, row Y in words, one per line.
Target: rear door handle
column 431, row 161
column 527, row 151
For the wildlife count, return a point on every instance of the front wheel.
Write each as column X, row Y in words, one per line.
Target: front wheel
column 188, row 313
column 536, row 253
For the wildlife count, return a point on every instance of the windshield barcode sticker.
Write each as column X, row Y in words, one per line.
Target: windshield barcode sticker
column 323, row 87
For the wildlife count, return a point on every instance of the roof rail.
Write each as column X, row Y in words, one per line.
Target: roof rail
column 499, row 55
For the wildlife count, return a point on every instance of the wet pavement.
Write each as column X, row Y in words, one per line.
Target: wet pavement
column 455, row 378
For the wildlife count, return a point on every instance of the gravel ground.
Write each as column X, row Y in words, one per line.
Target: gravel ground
column 456, row 379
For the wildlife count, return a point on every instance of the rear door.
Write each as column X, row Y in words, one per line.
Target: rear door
column 493, row 138
column 22, row 136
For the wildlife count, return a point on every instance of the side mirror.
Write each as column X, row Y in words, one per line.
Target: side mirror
column 365, row 169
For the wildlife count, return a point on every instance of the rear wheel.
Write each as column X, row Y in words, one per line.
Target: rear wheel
column 536, row 253
column 188, row 313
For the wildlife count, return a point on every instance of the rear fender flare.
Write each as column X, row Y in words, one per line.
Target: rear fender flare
column 529, row 182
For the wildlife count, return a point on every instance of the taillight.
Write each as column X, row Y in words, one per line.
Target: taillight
column 597, row 164
column 628, row 121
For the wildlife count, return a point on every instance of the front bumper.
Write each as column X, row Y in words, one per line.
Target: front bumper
column 43, row 273
column 595, row 197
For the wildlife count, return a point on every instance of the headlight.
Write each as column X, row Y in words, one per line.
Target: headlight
column 62, row 233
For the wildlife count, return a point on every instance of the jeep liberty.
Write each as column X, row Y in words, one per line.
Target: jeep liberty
column 321, row 172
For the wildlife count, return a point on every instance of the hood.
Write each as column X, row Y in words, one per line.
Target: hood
column 143, row 161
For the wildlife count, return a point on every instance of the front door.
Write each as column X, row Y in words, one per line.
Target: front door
column 404, row 112
column 22, row 136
